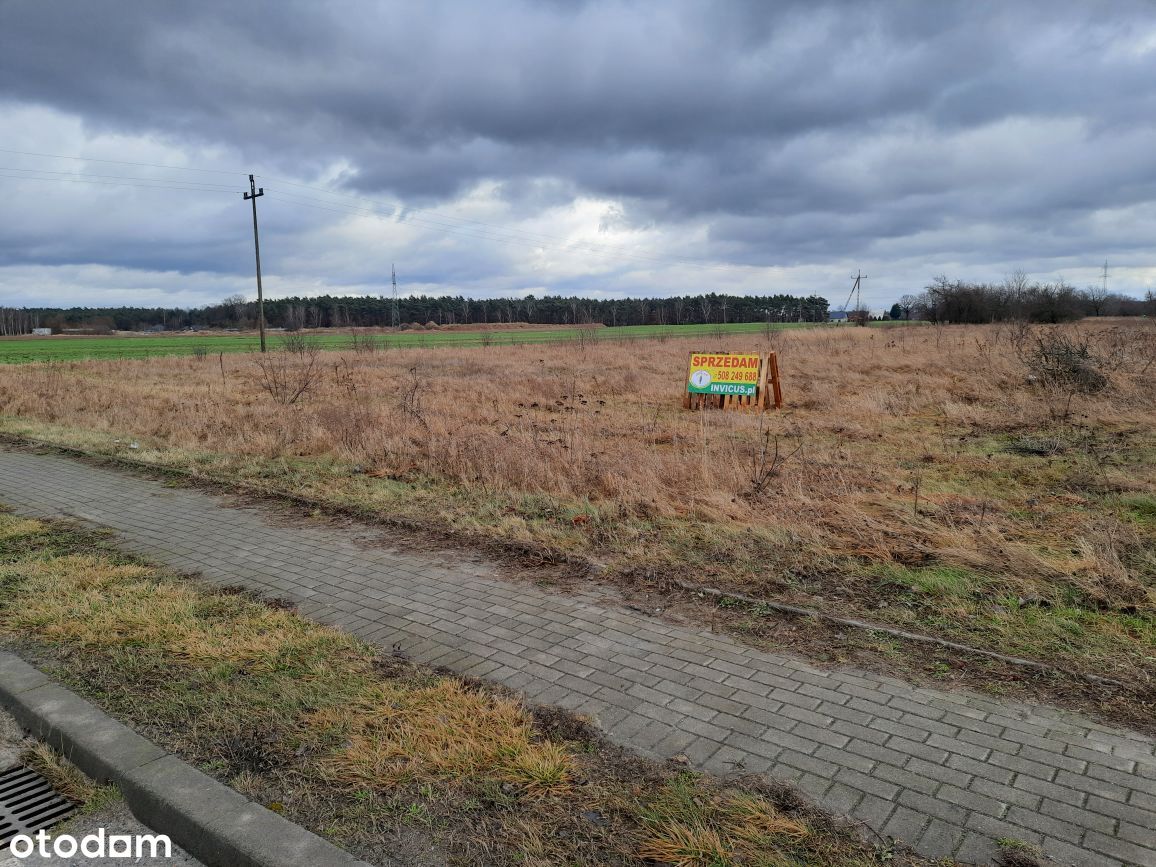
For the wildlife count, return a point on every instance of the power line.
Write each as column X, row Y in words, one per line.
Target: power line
column 68, row 175
column 200, row 189
column 120, row 162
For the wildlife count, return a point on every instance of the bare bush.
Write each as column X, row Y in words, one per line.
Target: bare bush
column 289, row 376
column 365, row 343
column 411, row 399
column 296, row 343
column 767, row 461
column 586, row 335
column 1066, row 361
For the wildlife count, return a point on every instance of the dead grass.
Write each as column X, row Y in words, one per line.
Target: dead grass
column 401, row 733
column 689, row 828
column 66, row 778
column 380, row 755
column 905, row 452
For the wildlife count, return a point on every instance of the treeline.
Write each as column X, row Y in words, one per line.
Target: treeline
column 17, row 320
column 342, row 312
column 1016, row 299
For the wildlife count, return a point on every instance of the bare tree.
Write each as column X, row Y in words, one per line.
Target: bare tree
column 239, row 305
column 908, row 303
column 1096, row 297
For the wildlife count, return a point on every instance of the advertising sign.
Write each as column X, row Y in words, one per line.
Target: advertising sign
column 723, row 373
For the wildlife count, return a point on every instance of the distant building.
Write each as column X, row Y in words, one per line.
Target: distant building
column 837, row 316
column 42, row 332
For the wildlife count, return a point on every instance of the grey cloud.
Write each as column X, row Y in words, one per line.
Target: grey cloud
column 796, row 132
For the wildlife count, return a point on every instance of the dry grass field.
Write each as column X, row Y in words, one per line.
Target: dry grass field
column 994, row 485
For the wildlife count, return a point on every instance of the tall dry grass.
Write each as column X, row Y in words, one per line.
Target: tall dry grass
column 896, row 446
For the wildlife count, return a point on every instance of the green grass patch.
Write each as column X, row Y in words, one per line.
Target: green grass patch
column 941, row 582
column 22, row 350
column 1140, row 508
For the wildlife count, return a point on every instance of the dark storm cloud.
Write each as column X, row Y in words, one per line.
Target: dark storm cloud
column 800, row 132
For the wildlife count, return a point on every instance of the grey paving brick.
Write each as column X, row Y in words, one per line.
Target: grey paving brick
column 942, row 774
column 1049, row 826
column 976, row 848
column 905, row 779
column 1078, row 818
column 1055, row 791
column 1022, row 765
column 1107, row 791
column 1129, row 853
column 999, row 829
column 906, row 824
column 809, row 764
column 907, row 761
column 1137, row 815
column 1074, row 856
column 971, row 800
column 872, row 784
column 981, row 769
column 873, row 810
column 813, row 785
column 845, row 759
column 940, row 839
column 1007, row 794
column 842, row 800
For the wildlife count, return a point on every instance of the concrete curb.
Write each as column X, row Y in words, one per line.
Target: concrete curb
column 206, row 818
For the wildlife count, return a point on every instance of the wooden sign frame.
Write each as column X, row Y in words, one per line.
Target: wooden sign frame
column 768, row 393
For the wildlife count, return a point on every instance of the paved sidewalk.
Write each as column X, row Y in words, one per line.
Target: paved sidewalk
column 947, row 772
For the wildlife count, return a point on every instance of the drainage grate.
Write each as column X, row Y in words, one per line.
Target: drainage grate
column 28, row 804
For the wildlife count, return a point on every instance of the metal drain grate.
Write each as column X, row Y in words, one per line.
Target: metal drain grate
column 28, row 804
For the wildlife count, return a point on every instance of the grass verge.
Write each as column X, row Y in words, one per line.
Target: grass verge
column 381, row 756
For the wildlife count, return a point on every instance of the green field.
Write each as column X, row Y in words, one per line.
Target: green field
column 20, row 350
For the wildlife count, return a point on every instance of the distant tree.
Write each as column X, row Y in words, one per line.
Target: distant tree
column 1095, row 299
column 908, row 303
column 896, row 311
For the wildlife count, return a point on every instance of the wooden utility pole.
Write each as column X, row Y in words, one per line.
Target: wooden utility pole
column 395, row 315
column 253, row 195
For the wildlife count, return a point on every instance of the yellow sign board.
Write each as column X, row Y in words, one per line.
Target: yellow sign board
column 723, row 373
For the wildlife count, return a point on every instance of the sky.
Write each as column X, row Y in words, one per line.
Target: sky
column 606, row 149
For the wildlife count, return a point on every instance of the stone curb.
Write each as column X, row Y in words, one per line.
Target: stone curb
column 206, row 818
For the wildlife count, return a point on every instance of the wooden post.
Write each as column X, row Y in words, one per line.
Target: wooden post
column 761, row 395
column 778, row 391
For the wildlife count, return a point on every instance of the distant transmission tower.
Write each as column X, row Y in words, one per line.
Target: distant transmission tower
column 396, row 316
column 1104, row 277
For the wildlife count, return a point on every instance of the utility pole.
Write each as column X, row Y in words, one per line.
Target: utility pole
column 856, row 293
column 253, row 195
column 396, row 317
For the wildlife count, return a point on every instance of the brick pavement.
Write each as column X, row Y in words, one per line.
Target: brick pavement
column 948, row 772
